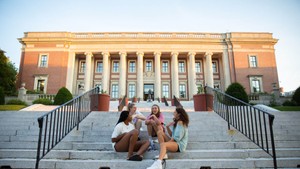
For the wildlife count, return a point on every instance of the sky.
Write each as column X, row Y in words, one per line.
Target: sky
column 280, row 17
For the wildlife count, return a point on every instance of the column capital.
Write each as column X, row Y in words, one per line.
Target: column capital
column 122, row 53
column 105, row 53
column 157, row 53
column 208, row 53
column 139, row 53
column 192, row 53
column 174, row 53
column 88, row 54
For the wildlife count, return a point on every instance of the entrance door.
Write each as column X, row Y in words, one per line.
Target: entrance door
column 148, row 92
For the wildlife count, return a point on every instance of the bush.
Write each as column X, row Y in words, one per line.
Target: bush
column 33, row 92
column 2, row 96
column 289, row 103
column 238, row 91
column 62, row 96
column 43, row 101
column 296, row 96
column 16, row 102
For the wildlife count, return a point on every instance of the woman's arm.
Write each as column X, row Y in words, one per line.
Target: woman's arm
column 178, row 132
column 168, row 128
column 118, row 138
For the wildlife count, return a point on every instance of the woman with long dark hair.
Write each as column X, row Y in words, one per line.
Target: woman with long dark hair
column 125, row 138
column 177, row 139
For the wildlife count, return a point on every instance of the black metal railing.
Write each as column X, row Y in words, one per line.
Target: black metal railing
column 252, row 122
column 166, row 101
column 177, row 102
column 56, row 124
column 122, row 103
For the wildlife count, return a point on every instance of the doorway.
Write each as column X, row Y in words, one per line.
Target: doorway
column 148, row 92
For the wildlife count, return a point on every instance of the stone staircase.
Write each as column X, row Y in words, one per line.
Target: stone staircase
column 210, row 143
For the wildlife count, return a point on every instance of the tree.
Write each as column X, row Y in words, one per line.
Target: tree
column 238, row 91
column 296, row 96
column 63, row 95
column 8, row 73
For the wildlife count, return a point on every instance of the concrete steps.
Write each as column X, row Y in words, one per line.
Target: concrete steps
column 210, row 143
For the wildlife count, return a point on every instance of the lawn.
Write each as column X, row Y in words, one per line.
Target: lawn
column 11, row 107
column 287, row 108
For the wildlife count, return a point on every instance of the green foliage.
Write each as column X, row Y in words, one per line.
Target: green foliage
column 200, row 90
column 43, row 101
column 289, row 103
column 33, row 92
column 238, row 91
column 2, row 96
column 16, row 102
column 296, row 96
column 8, row 74
column 62, row 96
column 287, row 108
column 11, row 107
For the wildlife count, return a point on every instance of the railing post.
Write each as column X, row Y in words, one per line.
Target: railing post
column 78, row 115
column 40, row 121
column 271, row 120
column 227, row 116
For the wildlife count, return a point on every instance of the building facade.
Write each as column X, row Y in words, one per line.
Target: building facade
column 139, row 64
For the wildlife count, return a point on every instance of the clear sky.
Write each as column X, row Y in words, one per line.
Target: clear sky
column 280, row 17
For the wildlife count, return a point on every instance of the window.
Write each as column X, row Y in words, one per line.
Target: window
column 40, row 85
column 131, row 90
column 99, row 68
column 114, row 91
column 132, row 66
column 198, row 67
column 182, row 91
column 165, row 66
column 148, row 66
column 215, row 67
column 82, row 67
column 43, row 61
column 115, row 66
column 253, row 61
column 165, row 91
column 256, row 86
column 181, row 67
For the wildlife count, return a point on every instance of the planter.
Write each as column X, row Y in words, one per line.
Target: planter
column 126, row 101
column 100, row 102
column 203, row 102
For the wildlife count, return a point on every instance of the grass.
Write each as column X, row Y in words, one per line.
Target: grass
column 11, row 107
column 287, row 108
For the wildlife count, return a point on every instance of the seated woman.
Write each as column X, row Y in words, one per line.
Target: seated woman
column 137, row 117
column 125, row 138
column 178, row 140
column 154, row 123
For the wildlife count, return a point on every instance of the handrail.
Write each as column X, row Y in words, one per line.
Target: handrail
column 56, row 124
column 166, row 101
column 254, row 123
column 122, row 103
column 177, row 102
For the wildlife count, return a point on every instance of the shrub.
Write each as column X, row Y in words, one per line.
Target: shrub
column 33, row 92
column 289, row 103
column 238, row 91
column 16, row 102
column 296, row 96
column 43, row 101
column 2, row 96
column 62, row 96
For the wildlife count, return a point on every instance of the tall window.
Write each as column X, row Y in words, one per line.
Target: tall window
column 114, row 91
column 43, row 61
column 256, row 86
column 148, row 66
column 41, row 85
column 181, row 67
column 198, row 67
column 82, row 67
column 215, row 67
column 182, row 91
column 131, row 90
column 253, row 61
column 99, row 68
column 165, row 91
column 165, row 67
column 115, row 66
column 132, row 66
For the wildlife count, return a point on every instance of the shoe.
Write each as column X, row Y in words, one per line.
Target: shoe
column 165, row 157
column 135, row 158
column 156, row 165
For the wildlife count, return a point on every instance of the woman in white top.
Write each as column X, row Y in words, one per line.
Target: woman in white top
column 137, row 117
column 125, row 138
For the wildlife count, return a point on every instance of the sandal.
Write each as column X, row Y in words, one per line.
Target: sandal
column 135, row 157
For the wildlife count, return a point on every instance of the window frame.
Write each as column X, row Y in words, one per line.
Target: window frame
column 216, row 68
column 41, row 56
column 113, row 66
column 97, row 68
column 185, row 94
column 200, row 65
column 129, row 66
column 181, row 69
column 114, row 91
column 82, row 66
column 146, row 66
column 168, row 90
column 165, row 69
column 251, row 61
column 131, row 90
column 259, row 82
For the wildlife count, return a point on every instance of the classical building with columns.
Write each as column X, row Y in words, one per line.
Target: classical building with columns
column 139, row 64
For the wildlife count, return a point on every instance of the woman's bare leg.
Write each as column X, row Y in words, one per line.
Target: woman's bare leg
column 170, row 146
column 138, row 125
column 127, row 143
column 141, row 147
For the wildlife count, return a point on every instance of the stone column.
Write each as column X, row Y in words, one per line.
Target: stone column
column 192, row 75
column 105, row 72
column 70, row 72
column 226, row 68
column 87, row 76
column 175, row 80
column 122, row 74
column 140, row 79
column 209, row 77
column 157, row 91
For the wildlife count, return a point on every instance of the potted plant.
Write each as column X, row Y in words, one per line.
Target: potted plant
column 103, row 101
column 202, row 100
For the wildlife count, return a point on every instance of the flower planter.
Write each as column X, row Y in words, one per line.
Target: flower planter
column 203, row 102
column 100, row 102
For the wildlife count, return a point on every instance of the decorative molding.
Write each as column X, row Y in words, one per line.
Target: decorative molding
column 105, row 54
column 139, row 53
